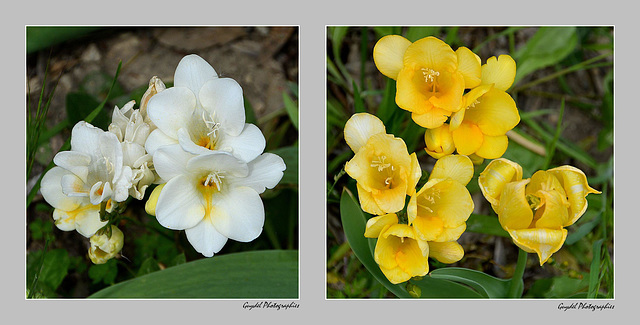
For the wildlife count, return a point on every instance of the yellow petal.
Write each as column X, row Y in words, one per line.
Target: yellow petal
column 574, row 182
column 375, row 225
column 428, row 227
column 493, row 147
column 501, row 72
column 392, row 199
column 359, row 128
column 544, row 181
column 469, row 66
column 415, row 172
column 495, row 176
column 410, row 91
column 514, row 211
column 432, row 53
column 367, row 203
column 457, row 118
column 495, row 113
column 446, row 199
column 411, row 260
column 450, row 234
column 447, row 252
column 543, row 242
column 456, row 167
column 439, row 142
column 150, row 206
column 431, row 119
column 386, row 248
column 450, row 91
column 388, row 53
column 468, row 138
column 554, row 213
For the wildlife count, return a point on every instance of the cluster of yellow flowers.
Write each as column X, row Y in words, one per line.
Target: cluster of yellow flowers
column 465, row 108
column 431, row 82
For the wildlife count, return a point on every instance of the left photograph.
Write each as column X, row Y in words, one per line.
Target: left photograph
column 162, row 162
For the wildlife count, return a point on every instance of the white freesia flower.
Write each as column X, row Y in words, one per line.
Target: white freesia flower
column 203, row 113
column 71, row 212
column 105, row 247
column 214, row 196
column 95, row 164
column 129, row 125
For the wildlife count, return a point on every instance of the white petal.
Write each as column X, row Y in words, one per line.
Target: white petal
column 171, row 109
column 188, row 145
column 222, row 97
column 51, row 190
column 88, row 222
column 111, row 149
column 122, row 185
column 246, row 146
column 238, row 214
column 63, row 220
column 72, row 185
column 131, row 152
column 205, row 238
column 180, row 205
column 171, row 161
column 157, row 139
column 96, row 196
column 359, row 128
column 193, row 72
column 264, row 172
column 85, row 138
column 218, row 162
column 75, row 162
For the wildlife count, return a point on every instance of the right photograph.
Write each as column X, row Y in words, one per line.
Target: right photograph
column 471, row 162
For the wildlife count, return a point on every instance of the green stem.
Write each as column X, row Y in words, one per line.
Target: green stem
column 516, row 286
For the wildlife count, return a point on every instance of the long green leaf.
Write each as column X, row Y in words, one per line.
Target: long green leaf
column 485, row 225
column 549, row 45
column 594, row 273
column 248, row 275
column 486, row 285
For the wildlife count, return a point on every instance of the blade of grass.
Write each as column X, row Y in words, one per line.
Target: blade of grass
column 551, row 146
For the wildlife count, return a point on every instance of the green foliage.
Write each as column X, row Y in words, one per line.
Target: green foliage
column 224, row 276
column 41, row 37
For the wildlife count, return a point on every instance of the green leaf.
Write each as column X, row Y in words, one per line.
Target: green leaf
column 415, row 33
column 105, row 273
column 80, row 104
column 249, row 113
column 486, row 285
column 290, row 157
column 248, row 275
column 292, row 109
column 358, row 103
column 149, row 265
column 594, row 273
column 354, row 224
column 55, row 268
column 485, row 225
column 548, row 46
column 40, row 37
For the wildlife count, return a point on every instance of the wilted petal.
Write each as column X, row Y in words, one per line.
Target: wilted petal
column 495, row 176
column 543, row 242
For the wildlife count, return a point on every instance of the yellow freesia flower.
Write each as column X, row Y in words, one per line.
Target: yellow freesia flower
column 439, row 142
column 384, row 170
column 439, row 211
column 535, row 211
column 399, row 252
column 487, row 113
column 431, row 77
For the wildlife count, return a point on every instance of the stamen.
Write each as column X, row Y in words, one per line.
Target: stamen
column 425, row 207
column 380, row 164
column 430, row 74
column 472, row 105
column 387, row 181
column 211, row 125
column 215, row 178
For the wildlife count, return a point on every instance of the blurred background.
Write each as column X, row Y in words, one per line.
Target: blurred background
column 69, row 72
column 564, row 92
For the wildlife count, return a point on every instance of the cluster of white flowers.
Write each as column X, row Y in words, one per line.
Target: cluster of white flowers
column 191, row 139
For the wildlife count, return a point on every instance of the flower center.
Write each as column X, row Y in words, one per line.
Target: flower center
column 381, row 164
column 208, row 137
column 213, row 179
column 430, row 197
column 430, row 77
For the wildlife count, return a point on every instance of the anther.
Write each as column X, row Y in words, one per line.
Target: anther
column 380, row 164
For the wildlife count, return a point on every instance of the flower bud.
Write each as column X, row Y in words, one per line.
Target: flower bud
column 439, row 142
column 150, row 206
column 105, row 247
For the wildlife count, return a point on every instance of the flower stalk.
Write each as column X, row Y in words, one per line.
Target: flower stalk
column 516, row 285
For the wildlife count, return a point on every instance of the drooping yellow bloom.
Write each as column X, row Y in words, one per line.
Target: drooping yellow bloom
column 399, row 252
column 431, row 77
column 535, row 211
column 384, row 170
column 487, row 113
